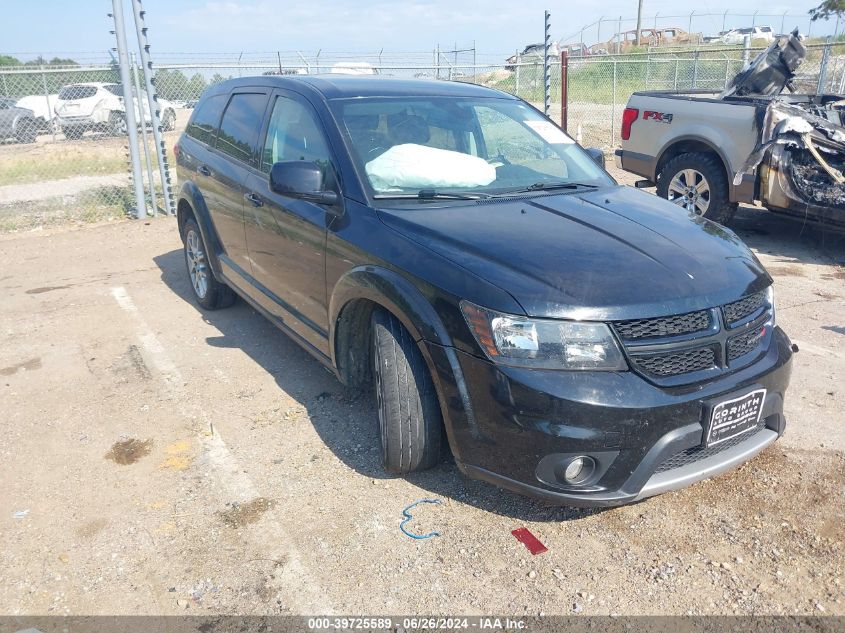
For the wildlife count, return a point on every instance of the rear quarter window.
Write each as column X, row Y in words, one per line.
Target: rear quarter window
column 206, row 118
column 241, row 124
column 69, row 93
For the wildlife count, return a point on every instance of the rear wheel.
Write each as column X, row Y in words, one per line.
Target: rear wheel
column 410, row 422
column 168, row 121
column 26, row 132
column 117, row 123
column 72, row 133
column 210, row 293
column 696, row 182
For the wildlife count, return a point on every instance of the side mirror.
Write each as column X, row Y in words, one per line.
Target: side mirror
column 300, row 179
column 597, row 155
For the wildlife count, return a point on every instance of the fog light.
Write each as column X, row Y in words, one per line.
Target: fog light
column 579, row 470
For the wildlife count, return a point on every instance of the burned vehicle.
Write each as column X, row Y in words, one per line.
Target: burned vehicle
column 760, row 140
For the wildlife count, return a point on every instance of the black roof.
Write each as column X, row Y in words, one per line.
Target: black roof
column 337, row 86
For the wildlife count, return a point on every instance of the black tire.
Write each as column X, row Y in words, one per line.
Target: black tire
column 27, row 131
column 410, row 422
column 117, row 124
column 73, row 133
column 168, row 121
column 211, row 295
column 719, row 207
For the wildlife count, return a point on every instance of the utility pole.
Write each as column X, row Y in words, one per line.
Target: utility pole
column 129, row 108
column 639, row 20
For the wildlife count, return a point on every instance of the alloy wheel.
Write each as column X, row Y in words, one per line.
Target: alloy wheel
column 689, row 189
column 197, row 264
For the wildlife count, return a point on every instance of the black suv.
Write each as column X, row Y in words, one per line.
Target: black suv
column 566, row 337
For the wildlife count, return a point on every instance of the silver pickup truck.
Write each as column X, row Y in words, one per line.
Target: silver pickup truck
column 709, row 152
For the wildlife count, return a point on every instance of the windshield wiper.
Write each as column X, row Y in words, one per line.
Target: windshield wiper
column 431, row 194
column 545, row 186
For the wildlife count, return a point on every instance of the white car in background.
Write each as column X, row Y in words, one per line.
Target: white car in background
column 43, row 109
column 353, row 68
column 737, row 36
column 99, row 107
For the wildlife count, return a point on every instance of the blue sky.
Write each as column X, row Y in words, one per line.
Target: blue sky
column 231, row 26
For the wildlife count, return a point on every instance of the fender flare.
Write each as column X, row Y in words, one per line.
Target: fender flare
column 697, row 139
column 395, row 293
column 191, row 194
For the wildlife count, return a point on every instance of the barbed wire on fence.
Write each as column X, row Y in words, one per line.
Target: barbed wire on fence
column 81, row 169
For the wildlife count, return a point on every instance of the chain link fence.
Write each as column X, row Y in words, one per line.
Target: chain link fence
column 64, row 151
column 599, row 87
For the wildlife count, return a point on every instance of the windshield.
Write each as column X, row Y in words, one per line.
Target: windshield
column 461, row 146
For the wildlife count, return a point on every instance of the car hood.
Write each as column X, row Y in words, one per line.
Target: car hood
column 613, row 253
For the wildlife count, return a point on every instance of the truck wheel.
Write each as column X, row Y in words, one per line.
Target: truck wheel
column 697, row 182
column 410, row 423
column 210, row 293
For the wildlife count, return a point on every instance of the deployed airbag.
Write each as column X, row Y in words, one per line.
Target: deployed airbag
column 412, row 166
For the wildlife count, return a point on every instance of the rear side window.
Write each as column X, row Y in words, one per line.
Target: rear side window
column 241, row 124
column 69, row 93
column 203, row 124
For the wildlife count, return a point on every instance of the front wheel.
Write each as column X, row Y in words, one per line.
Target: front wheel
column 696, row 182
column 410, row 422
column 26, row 132
column 210, row 293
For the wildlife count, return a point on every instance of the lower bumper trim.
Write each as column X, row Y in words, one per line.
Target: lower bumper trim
column 657, row 484
column 709, row 466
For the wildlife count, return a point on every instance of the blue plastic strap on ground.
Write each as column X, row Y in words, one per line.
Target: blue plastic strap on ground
column 408, row 517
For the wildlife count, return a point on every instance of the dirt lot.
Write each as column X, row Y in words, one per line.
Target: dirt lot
column 158, row 460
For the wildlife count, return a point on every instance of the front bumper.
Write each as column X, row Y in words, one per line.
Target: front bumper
column 511, row 426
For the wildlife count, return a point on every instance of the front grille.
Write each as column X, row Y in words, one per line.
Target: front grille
column 697, row 453
column 744, row 343
column 674, row 363
column 663, row 326
column 739, row 310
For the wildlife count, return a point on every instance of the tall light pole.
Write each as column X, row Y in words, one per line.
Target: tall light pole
column 639, row 20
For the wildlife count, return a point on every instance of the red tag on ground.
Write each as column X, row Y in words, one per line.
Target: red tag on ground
column 529, row 540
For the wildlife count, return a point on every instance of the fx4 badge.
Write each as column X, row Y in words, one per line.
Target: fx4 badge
column 660, row 117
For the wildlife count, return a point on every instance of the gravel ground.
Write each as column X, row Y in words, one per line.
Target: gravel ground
column 157, row 459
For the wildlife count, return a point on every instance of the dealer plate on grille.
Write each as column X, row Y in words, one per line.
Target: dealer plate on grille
column 734, row 417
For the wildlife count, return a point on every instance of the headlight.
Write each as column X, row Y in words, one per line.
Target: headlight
column 770, row 299
column 543, row 343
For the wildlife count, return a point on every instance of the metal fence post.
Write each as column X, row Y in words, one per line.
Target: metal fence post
column 613, row 110
column 50, row 113
column 155, row 120
column 695, row 70
column 746, row 50
column 564, row 89
column 129, row 108
column 518, row 67
column 677, row 62
column 145, row 140
column 823, row 69
column 547, row 77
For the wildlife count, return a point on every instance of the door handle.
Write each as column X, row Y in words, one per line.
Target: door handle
column 254, row 199
column 204, row 170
